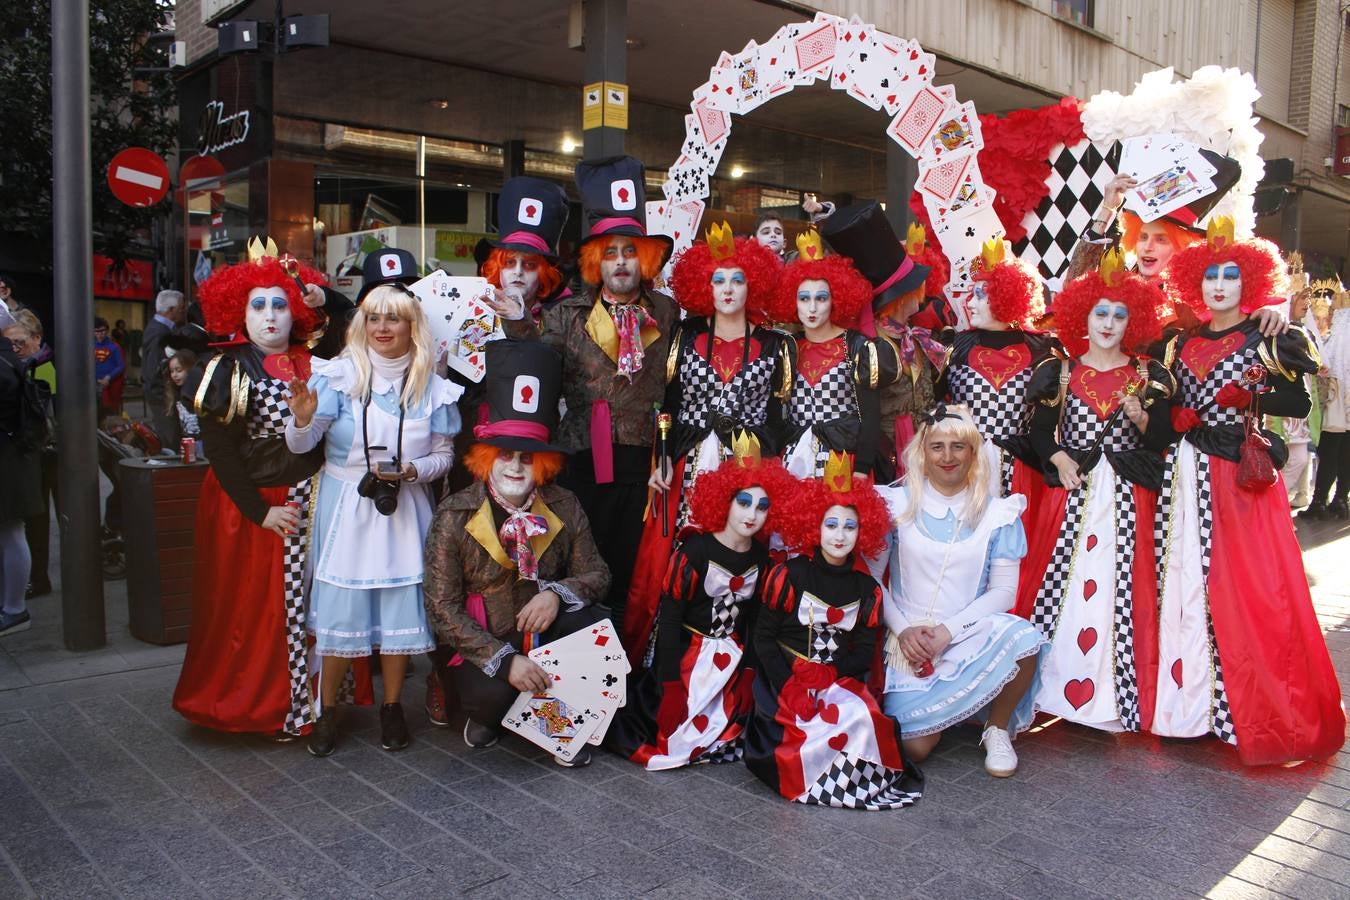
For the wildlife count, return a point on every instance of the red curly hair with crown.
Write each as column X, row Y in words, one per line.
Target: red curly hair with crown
column 225, row 295
column 849, row 290
column 713, row 491
column 800, row 526
column 1015, row 292
column 651, row 256
column 1074, row 304
column 549, row 276
column 692, row 279
column 1257, row 259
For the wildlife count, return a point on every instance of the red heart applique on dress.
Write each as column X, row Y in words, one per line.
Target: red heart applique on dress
column 1089, row 589
column 998, row 366
column 700, row 723
column 1091, row 541
column 736, row 583
column 721, row 660
column 1079, row 691
column 1202, row 354
column 1087, row 639
column 834, row 615
column 1098, row 390
column 838, row 742
column 830, row 713
column 1176, row 672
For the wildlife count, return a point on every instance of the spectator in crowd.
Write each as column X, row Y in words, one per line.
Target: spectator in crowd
column 169, row 310
column 120, row 334
column 19, row 488
column 7, row 298
column 26, row 336
column 109, row 368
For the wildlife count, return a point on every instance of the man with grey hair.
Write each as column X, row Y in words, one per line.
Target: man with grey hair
column 169, row 309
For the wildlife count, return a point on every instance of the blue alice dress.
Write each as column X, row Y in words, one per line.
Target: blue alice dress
column 946, row 572
column 367, row 567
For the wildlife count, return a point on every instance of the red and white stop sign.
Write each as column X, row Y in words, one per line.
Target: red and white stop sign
column 138, row 177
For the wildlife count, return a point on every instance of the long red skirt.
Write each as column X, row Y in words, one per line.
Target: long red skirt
column 235, row 676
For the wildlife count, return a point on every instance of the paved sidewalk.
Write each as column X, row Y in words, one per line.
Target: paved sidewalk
column 105, row 791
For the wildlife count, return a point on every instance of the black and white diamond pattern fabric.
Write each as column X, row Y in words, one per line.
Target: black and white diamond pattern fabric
column 1222, row 723
column 1077, row 183
column 823, row 643
column 832, row 397
column 1055, row 585
column 854, row 783
column 1126, row 677
column 725, row 752
column 268, row 412
column 998, row 413
column 725, row 610
column 1080, row 427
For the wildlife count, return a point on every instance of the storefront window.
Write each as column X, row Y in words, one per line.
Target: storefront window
column 1077, row 11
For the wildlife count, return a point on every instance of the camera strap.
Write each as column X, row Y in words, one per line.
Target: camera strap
column 365, row 426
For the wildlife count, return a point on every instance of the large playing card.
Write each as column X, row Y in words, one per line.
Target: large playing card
column 913, row 124
column 561, row 727
column 774, row 63
column 588, row 668
column 814, row 45
column 462, row 324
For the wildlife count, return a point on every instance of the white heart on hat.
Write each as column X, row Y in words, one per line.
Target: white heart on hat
column 623, row 194
column 390, row 264
column 531, row 211
column 525, row 394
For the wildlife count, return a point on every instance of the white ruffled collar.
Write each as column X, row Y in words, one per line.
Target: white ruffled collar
column 939, row 505
column 387, row 374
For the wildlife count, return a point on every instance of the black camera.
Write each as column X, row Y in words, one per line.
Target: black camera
column 384, row 494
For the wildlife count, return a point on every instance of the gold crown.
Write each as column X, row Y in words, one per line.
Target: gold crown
column 1295, row 262
column 1219, row 232
column 992, row 252
column 1112, row 267
column 721, row 242
column 258, row 251
column 839, row 472
column 745, row 447
column 915, row 239
column 809, row 245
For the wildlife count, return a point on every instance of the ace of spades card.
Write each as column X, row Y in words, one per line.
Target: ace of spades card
column 462, row 324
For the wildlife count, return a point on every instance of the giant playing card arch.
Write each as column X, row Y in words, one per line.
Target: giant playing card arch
column 880, row 70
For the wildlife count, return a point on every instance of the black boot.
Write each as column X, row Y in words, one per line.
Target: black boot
column 323, row 736
column 393, row 730
column 1316, row 510
column 1338, row 509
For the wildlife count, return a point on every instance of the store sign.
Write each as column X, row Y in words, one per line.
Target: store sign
column 457, row 244
column 133, row 280
column 218, row 131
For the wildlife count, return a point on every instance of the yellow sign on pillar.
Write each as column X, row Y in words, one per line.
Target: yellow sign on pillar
column 616, row 105
column 592, row 106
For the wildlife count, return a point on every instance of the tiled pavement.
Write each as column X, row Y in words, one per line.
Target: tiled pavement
column 105, row 791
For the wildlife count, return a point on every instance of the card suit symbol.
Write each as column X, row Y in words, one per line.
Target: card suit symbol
column 721, row 660
column 848, row 36
column 913, row 55
column 840, row 481
column 1091, row 541
column 830, row 713
column 525, row 394
column 677, row 234
column 885, row 82
column 970, row 232
column 610, row 679
column 923, row 70
column 623, row 194
column 529, row 211
column 473, row 359
column 842, row 76
column 1087, row 639
column 736, row 583
column 700, row 723
column 1089, row 589
column 839, row 741
column 1176, row 673
column 454, row 293
column 890, row 99
column 1079, row 691
column 391, row 264
column 601, row 640
column 834, row 615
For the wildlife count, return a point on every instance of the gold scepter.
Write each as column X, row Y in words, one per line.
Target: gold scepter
column 663, row 423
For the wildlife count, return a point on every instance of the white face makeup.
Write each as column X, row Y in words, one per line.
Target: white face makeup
column 838, row 533
column 813, row 304
column 1106, row 324
column 977, row 308
column 267, row 319
column 1221, row 286
column 749, row 508
column 1153, row 249
column 512, row 475
column 729, row 290
column 620, row 269
column 520, row 276
column 770, row 234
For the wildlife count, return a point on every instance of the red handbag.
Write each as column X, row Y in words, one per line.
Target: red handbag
column 1256, row 471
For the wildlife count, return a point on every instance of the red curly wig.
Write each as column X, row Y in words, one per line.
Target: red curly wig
column 692, row 279
column 480, row 457
column 939, row 270
column 549, row 276
column 651, row 255
column 225, row 295
column 1073, row 305
column 800, row 524
column 1130, row 226
column 1015, row 292
column 849, row 290
column 711, row 500
column 1257, row 259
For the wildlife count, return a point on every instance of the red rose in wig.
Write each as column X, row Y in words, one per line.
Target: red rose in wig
column 1015, row 293
column 800, row 526
column 711, row 500
column 691, row 280
column 225, row 294
column 1257, row 259
column 1074, row 304
column 849, row 290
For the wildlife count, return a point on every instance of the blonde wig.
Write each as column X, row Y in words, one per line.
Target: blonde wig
column 948, row 421
column 391, row 299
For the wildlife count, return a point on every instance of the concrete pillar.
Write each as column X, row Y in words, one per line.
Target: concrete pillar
column 606, row 60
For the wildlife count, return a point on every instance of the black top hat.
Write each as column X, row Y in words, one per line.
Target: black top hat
column 531, row 213
column 1227, row 174
column 388, row 265
column 614, row 196
column 861, row 232
column 523, row 383
column 187, row 337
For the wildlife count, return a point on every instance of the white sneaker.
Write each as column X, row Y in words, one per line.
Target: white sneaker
column 1000, row 760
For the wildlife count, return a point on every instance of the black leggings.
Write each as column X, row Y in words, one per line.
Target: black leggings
column 1333, row 467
